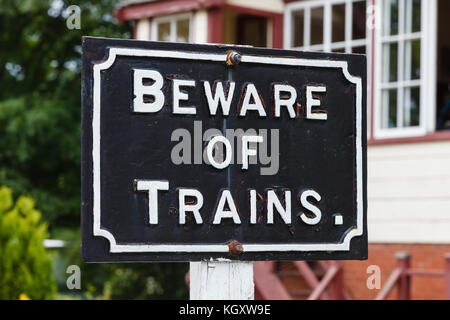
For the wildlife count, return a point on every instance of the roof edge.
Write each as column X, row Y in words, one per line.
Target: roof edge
column 140, row 9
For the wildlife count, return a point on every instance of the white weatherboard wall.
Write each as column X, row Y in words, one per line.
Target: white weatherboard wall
column 409, row 193
column 143, row 29
column 200, row 27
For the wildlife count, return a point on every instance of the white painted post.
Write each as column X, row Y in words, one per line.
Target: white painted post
column 221, row 280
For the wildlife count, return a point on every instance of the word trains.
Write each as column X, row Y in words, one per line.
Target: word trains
column 226, row 207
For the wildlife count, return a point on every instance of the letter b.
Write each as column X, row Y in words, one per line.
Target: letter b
column 141, row 90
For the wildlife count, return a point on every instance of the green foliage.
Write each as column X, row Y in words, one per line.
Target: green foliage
column 38, row 157
column 117, row 281
column 25, row 265
column 40, row 104
column 150, row 281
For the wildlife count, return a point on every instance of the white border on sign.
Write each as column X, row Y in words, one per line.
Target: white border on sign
column 219, row 248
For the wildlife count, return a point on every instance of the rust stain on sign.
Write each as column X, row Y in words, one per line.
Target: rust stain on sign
column 235, row 247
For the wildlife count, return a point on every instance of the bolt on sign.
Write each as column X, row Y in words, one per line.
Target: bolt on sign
column 199, row 152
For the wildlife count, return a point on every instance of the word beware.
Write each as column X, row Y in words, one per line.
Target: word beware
column 284, row 95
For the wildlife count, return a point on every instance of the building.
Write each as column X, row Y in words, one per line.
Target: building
column 408, row 54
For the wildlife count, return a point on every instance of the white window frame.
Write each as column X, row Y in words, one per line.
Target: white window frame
column 328, row 45
column 427, row 82
column 173, row 27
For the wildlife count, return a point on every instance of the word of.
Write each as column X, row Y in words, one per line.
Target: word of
column 182, row 151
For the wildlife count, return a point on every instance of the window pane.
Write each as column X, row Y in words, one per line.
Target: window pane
column 298, row 24
column 389, row 109
column 317, row 25
column 359, row 20
column 338, row 27
column 360, row 50
column 412, row 60
column 164, row 31
column 416, row 16
column 389, row 64
column 413, row 16
column 390, row 17
column 252, row 30
column 340, row 50
column 183, row 30
column 411, row 111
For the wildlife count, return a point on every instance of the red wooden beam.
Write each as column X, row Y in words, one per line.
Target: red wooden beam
column 251, row 11
column 309, row 276
column 425, row 273
column 158, row 8
column 326, row 280
column 267, row 284
column 277, row 31
column 389, row 285
column 447, row 276
column 436, row 136
column 404, row 282
column 215, row 25
column 336, row 290
column 324, row 265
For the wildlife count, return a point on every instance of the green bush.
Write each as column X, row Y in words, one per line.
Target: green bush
column 25, row 265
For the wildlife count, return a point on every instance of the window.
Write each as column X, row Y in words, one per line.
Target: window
column 251, row 30
column 443, row 67
column 336, row 25
column 403, row 107
column 404, row 61
column 401, row 76
column 176, row 28
column 330, row 25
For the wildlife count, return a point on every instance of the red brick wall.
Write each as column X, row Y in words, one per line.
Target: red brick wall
column 423, row 256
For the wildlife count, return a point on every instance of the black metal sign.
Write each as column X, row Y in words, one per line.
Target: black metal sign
column 196, row 152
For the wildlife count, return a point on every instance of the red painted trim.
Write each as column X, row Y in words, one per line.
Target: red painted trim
column 437, row 136
column 251, row 11
column 389, row 284
column 267, row 285
column 215, row 25
column 159, row 8
column 308, row 274
column 404, row 282
column 215, row 15
column 325, row 282
column 447, row 276
column 277, row 31
column 425, row 273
